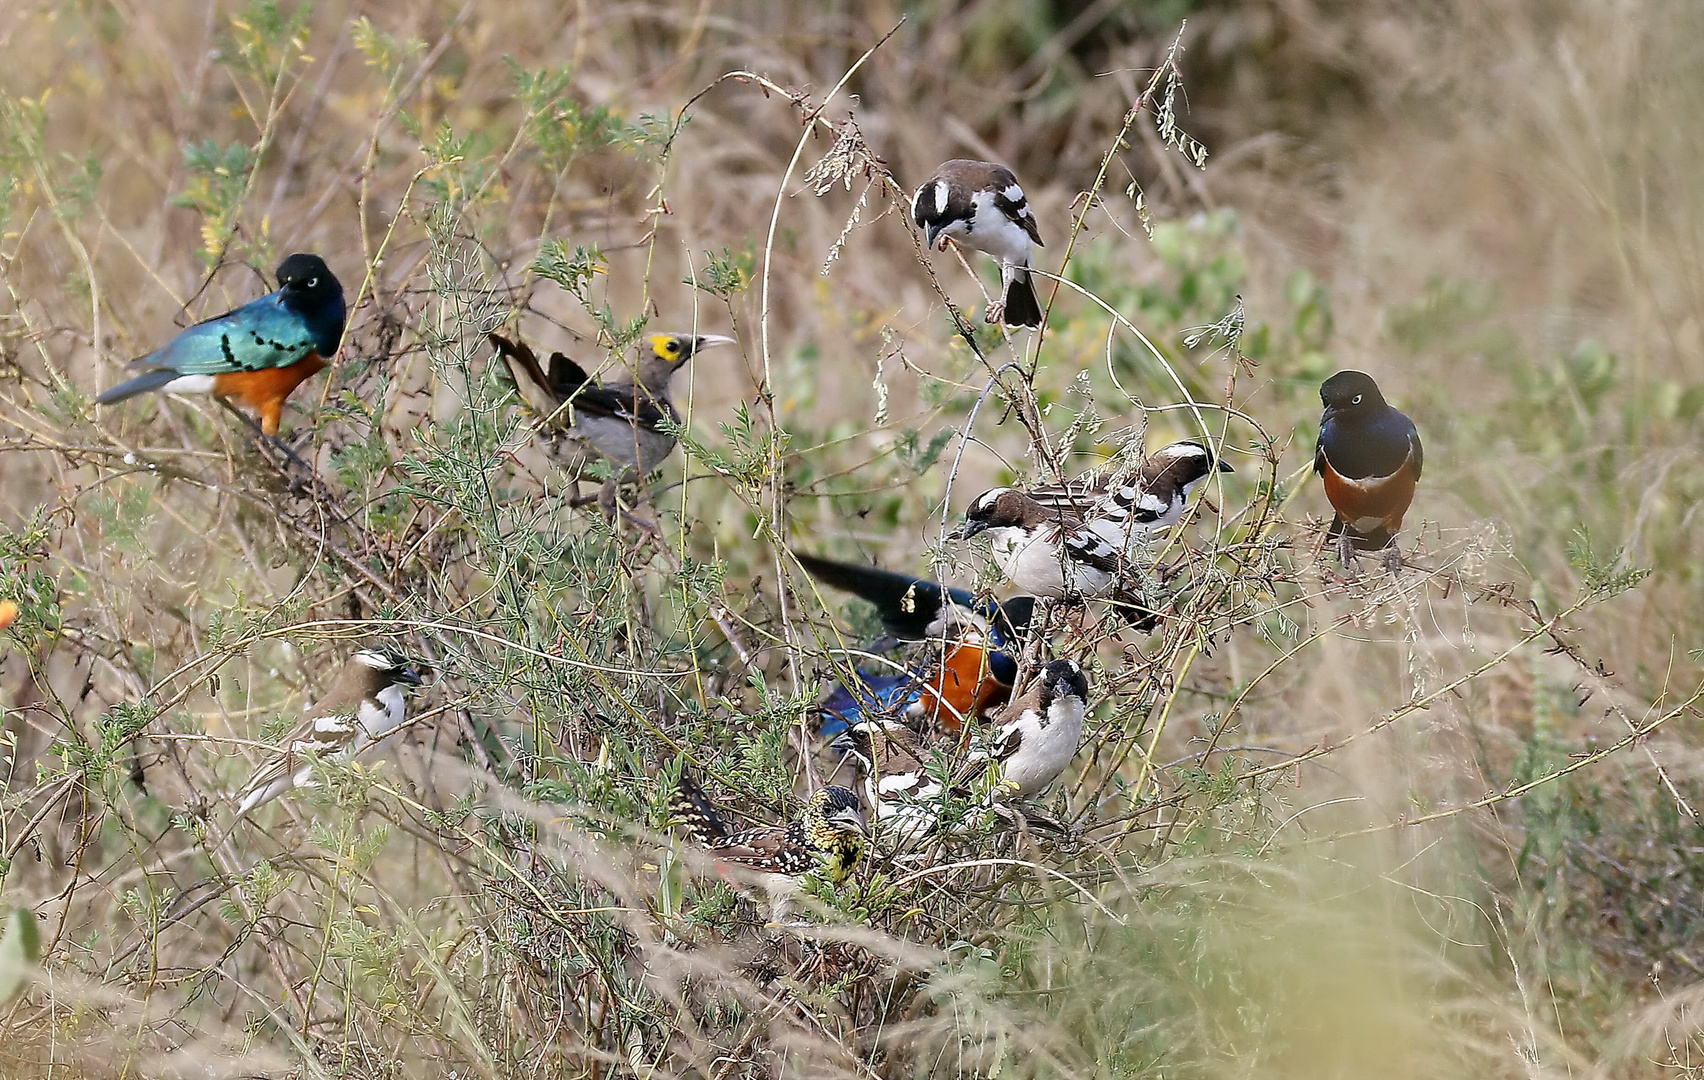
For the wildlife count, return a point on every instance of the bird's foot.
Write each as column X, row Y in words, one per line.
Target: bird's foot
column 304, row 474
column 1346, row 554
column 1028, row 816
column 995, row 313
column 265, row 441
column 648, row 529
column 1393, row 559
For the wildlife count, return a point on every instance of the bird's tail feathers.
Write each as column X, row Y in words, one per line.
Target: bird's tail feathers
column 1022, row 308
column 895, row 594
column 141, row 384
column 1136, row 611
column 697, row 814
column 526, row 374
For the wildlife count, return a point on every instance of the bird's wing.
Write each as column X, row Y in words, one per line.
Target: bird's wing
column 1016, row 210
column 1416, row 455
column 874, row 693
column 1069, row 500
column 528, row 377
column 1143, row 498
column 1007, row 743
column 625, row 402
column 697, row 812
column 1086, row 546
column 568, row 382
column 769, row 849
column 323, row 732
column 259, row 335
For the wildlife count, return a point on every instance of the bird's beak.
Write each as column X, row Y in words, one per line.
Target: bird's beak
column 931, row 233
column 709, row 341
column 967, row 530
column 855, row 821
column 410, row 674
column 1225, row 466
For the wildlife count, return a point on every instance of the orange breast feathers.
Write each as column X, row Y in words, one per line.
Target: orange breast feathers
column 1383, row 499
column 264, row 391
column 962, row 686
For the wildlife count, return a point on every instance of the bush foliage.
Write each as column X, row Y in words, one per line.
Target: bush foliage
column 1441, row 824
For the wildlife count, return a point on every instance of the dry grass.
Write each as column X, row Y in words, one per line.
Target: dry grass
column 1435, row 828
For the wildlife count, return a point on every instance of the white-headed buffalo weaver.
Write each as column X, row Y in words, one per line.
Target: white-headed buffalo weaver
column 1076, row 540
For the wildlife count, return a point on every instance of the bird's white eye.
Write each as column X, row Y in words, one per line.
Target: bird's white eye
column 1357, row 400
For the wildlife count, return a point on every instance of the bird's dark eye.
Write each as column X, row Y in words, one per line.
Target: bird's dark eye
column 1356, row 400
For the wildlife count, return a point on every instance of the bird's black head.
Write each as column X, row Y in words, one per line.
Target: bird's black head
column 1063, row 678
column 1013, row 618
column 1350, row 392
column 308, row 277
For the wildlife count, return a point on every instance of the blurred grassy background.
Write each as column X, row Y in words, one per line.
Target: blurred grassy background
column 1324, row 831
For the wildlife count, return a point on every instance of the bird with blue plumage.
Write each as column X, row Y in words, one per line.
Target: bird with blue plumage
column 254, row 355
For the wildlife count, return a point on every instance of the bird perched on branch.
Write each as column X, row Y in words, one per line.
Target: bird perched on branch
column 980, row 205
column 623, row 419
column 969, row 672
column 257, row 354
column 364, row 708
column 1074, row 540
column 1368, row 458
column 1036, row 734
column 828, row 836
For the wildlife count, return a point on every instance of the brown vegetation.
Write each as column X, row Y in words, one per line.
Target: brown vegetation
column 1440, row 826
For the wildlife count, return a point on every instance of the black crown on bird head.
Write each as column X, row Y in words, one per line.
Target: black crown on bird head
column 996, row 509
column 307, row 276
column 1063, row 678
column 1189, row 460
column 1349, row 392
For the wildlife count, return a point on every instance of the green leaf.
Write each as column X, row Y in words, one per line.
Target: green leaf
column 19, row 950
